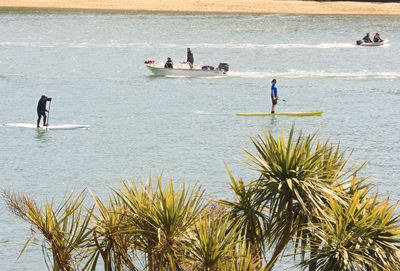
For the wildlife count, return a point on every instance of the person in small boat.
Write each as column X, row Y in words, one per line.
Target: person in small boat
column 41, row 109
column 377, row 38
column 169, row 63
column 367, row 38
column 190, row 58
column 274, row 95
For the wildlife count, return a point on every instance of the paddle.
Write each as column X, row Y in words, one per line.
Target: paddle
column 48, row 114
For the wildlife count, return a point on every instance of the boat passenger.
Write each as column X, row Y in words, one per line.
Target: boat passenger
column 274, row 95
column 169, row 63
column 377, row 38
column 189, row 58
column 367, row 38
column 41, row 110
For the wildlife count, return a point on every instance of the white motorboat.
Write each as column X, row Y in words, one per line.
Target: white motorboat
column 362, row 43
column 184, row 69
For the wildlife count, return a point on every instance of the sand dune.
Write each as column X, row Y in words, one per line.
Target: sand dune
column 212, row 6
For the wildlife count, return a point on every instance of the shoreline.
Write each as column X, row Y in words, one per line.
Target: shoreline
column 288, row 7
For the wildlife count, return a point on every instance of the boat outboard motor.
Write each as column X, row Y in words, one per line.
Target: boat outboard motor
column 359, row 42
column 223, row 66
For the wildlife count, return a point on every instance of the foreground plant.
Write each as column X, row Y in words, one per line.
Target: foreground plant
column 110, row 241
column 297, row 177
column 210, row 244
column 161, row 218
column 303, row 195
column 247, row 215
column 361, row 236
column 62, row 232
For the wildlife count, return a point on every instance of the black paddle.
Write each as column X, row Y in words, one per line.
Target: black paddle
column 48, row 114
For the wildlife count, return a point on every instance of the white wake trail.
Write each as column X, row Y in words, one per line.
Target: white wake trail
column 317, row 74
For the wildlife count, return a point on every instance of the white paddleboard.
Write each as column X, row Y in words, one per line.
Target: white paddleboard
column 50, row 127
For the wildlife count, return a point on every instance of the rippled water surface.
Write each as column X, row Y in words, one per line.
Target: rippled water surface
column 141, row 125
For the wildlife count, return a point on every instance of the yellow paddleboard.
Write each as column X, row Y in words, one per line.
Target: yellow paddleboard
column 281, row 114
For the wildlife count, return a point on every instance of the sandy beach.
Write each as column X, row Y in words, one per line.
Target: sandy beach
column 210, row 6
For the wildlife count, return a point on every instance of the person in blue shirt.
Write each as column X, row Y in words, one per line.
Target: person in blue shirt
column 274, row 95
column 41, row 109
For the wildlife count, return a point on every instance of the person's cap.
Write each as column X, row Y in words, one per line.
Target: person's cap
column 43, row 96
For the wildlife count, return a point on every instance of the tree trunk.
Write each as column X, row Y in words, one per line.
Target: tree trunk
column 285, row 237
column 152, row 261
column 105, row 254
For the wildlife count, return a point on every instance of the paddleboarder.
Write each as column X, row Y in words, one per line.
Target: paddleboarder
column 41, row 109
column 274, row 95
column 190, row 58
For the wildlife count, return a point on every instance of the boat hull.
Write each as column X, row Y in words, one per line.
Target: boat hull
column 370, row 44
column 158, row 71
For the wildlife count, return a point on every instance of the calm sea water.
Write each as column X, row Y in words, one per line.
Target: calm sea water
column 141, row 125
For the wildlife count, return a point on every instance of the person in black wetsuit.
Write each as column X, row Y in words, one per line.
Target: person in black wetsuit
column 190, row 58
column 169, row 63
column 41, row 109
column 367, row 38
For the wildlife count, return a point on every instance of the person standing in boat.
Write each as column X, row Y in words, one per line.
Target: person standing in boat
column 274, row 95
column 377, row 38
column 41, row 109
column 190, row 58
column 367, row 38
column 169, row 63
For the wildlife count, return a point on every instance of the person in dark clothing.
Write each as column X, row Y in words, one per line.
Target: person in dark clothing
column 190, row 58
column 41, row 109
column 377, row 38
column 367, row 38
column 169, row 63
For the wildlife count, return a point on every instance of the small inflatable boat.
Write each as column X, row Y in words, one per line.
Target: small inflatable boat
column 372, row 44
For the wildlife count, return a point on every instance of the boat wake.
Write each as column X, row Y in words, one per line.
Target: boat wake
column 317, row 74
column 74, row 45
column 145, row 45
column 274, row 46
column 199, row 112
